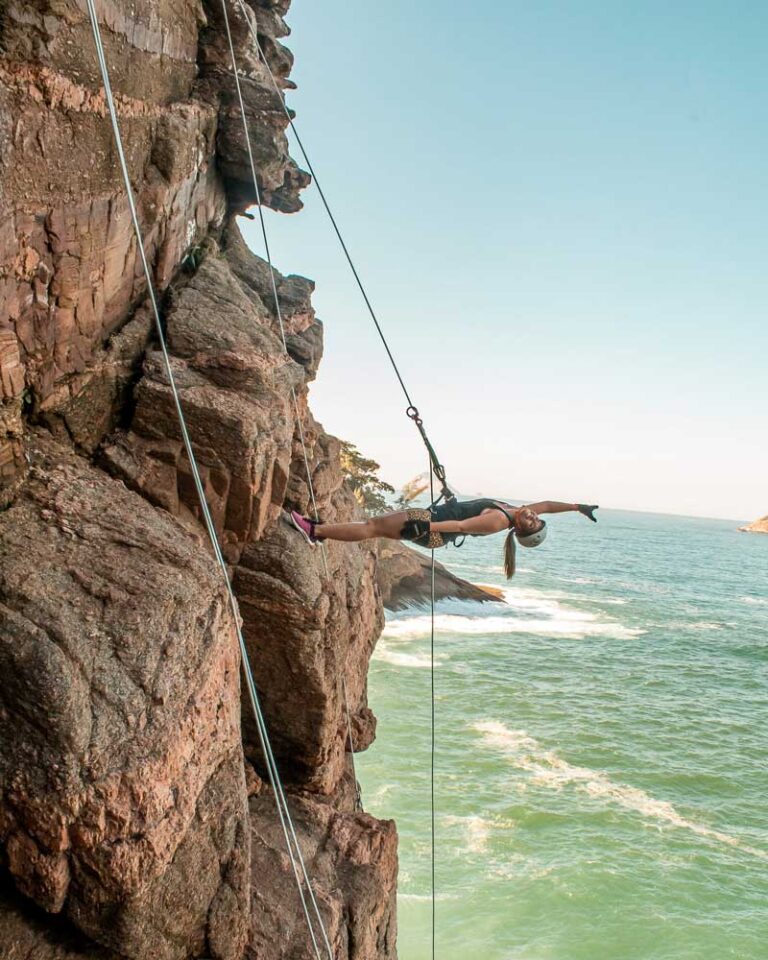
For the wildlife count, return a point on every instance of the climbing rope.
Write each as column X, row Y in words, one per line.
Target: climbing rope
column 294, row 399
column 432, row 725
column 411, row 411
column 436, row 468
column 286, row 822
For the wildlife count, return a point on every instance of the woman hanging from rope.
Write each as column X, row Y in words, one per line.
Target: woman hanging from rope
column 443, row 523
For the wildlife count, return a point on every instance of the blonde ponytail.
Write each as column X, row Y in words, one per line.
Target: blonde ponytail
column 509, row 555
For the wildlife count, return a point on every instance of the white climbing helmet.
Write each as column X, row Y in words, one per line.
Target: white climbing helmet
column 534, row 539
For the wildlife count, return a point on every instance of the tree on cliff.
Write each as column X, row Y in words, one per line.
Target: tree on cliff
column 411, row 490
column 362, row 475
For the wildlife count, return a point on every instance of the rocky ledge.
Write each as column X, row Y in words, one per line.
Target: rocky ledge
column 405, row 579
column 759, row 526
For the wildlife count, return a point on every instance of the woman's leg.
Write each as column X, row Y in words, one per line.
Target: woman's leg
column 389, row 526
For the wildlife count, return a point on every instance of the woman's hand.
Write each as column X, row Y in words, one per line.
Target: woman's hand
column 588, row 511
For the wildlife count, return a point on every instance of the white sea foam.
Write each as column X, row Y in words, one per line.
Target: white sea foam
column 383, row 791
column 557, row 621
column 398, row 658
column 551, row 602
column 547, row 769
column 425, row 897
column 477, row 831
column 759, row 601
column 527, row 611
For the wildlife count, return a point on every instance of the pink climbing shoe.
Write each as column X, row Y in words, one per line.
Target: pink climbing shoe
column 305, row 526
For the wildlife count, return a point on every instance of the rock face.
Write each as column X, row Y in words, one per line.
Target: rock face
column 354, row 861
column 68, row 258
column 126, row 826
column 304, row 619
column 28, row 933
column 404, row 578
column 234, row 380
column 69, row 271
column 759, row 526
column 121, row 759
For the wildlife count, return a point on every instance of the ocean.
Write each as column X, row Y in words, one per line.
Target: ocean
column 601, row 766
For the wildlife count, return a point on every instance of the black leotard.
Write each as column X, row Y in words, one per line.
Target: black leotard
column 464, row 510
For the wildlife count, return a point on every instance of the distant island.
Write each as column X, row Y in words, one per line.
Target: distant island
column 759, row 526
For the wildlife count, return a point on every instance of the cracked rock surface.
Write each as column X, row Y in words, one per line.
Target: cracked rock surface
column 121, row 758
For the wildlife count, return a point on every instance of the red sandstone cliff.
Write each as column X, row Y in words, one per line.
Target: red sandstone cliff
column 131, row 820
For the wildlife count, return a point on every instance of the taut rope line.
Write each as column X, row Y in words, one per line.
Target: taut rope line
column 279, row 313
column 436, row 468
column 286, row 823
column 412, row 410
column 432, row 723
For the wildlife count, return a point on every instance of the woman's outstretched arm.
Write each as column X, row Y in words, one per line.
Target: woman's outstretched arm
column 490, row 522
column 557, row 506
column 552, row 506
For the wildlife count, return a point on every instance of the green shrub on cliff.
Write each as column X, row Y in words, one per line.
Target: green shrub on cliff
column 362, row 475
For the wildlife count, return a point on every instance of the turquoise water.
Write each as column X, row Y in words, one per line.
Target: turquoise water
column 601, row 748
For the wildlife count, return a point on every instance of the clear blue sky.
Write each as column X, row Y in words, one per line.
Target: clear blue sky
column 560, row 210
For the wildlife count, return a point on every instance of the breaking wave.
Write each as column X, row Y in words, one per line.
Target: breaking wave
column 526, row 612
column 385, row 653
column 547, row 769
column 477, row 831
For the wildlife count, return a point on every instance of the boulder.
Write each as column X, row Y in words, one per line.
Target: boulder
column 352, row 860
column 234, row 380
column 306, row 630
column 759, row 526
column 405, row 579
